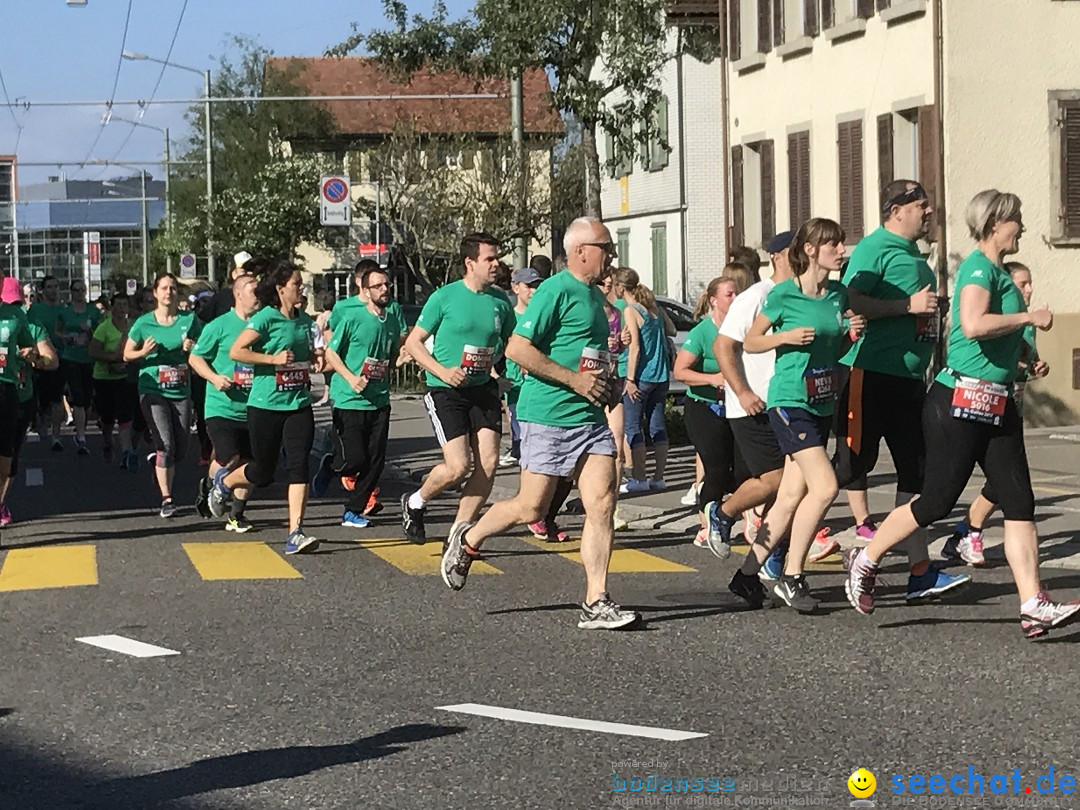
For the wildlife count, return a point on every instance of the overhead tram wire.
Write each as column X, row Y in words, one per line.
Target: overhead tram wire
column 28, row 104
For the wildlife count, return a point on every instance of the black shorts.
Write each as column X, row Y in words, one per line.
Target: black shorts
column 459, row 412
column 49, row 386
column 230, row 439
column 9, row 419
column 757, row 445
column 80, row 382
column 798, row 429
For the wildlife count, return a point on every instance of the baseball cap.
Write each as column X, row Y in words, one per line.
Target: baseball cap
column 779, row 242
column 526, row 275
column 241, row 258
column 11, row 292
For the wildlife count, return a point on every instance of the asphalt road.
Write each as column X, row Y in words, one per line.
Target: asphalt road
column 320, row 684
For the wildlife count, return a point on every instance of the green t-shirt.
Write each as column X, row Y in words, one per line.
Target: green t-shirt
column 514, row 373
column 109, row 337
column 699, row 342
column 165, row 370
column 890, row 268
column 803, row 375
column 995, row 360
column 282, row 387
column 469, row 329
column 365, row 344
column 215, row 340
column 345, row 305
column 25, row 384
column 47, row 316
column 80, row 325
column 565, row 320
column 14, row 334
column 1029, row 354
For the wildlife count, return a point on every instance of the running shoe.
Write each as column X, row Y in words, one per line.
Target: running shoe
column 933, row 583
column 861, row 578
column 238, row 524
column 795, row 593
column 555, row 534
column 822, row 546
column 374, row 505
column 348, row 483
column 80, row 446
column 657, row 484
column 5, row 515
column 350, row 518
column 701, row 540
column 412, row 521
column 202, row 496
column 1038, row 619
column 57, row 446
column 297, row 541
column 866, row 530
column 219, row 495
column 749, row 588
column 751, row 525
column 690, row 498
column 168, row 508
column 719, row 536
column 320, row 482
column 965, row 545
column 539, row 529
column 619, row 523
column 634, row 485
column 773, row 567
column 456, row 561
column 604, row 614
column 507, row 459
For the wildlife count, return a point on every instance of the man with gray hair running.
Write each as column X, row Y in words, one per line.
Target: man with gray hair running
column 561, row 341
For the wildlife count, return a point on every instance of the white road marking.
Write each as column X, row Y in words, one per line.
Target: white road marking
column 540, row 719
column 127, row 646
column 34, row 477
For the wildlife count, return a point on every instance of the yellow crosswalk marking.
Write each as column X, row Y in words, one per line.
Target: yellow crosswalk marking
column 51, row 567
column 416, row 559
column 623, row 560
column 238, row 560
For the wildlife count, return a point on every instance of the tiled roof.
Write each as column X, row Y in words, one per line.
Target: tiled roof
column 363, row 76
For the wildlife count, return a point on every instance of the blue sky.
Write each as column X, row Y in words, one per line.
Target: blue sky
column 52, row 52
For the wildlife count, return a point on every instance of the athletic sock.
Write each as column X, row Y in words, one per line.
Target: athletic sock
column 415, row 501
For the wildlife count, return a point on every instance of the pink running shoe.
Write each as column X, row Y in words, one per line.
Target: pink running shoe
column 539, row 529
column 556, row 535
column 1038, row 620
column 822, row 546
column 5, row 515
column 866, row 530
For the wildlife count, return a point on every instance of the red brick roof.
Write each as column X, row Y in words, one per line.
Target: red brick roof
column 363, row 76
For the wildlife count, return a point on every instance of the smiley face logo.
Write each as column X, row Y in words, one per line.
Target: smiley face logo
column 862, row 784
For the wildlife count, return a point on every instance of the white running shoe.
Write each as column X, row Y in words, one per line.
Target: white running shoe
column 690, row 498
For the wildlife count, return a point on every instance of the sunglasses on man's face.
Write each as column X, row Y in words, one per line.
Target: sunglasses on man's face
column 607, row 247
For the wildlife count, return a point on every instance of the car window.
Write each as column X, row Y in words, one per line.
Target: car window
column 679, row 316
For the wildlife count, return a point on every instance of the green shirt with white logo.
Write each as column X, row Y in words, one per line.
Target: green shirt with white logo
column 365, row 343
column 14, row 334
column 565, row 320
column 469, row 329
column 80, row 326
column 165, row 370
column 25, row 384
column 213, row 346
column 890, row 268
column 804, row 375
column 699, row 342
column 995, row 360
column 287, row 386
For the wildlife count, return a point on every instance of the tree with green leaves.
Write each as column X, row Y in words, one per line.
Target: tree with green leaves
column 568, row 39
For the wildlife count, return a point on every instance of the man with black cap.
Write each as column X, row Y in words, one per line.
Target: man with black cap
column 890, row 282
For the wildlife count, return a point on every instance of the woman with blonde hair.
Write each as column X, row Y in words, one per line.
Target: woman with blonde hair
column 740, row 274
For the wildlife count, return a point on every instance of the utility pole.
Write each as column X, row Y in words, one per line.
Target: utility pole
column 517, row 122
column 209, row 185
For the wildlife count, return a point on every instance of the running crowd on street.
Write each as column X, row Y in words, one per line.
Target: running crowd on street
column 579, row 363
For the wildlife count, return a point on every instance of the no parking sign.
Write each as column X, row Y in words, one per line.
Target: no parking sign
column 335, row 202
column 187, row 265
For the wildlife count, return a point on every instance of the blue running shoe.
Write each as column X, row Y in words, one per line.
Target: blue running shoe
column 350, row 518
column 320, row 482
column 719, row 536
column 219, row 495
column 934, row 583
column 774, row 565
column 297, row 541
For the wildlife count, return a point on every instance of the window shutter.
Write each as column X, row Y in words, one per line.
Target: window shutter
column 828, row 13
column 849, row 153
column 1070, row 167
column 659, row 157
column 928, row 159
column 737, row 235
column 883, row 4
column 798, row 178
column 609, row 151
column 778, row 22
column 734, row 30
column 864, row 8
column 810, row 17
column 768, row 191
column 764, row 22
column 885, row 161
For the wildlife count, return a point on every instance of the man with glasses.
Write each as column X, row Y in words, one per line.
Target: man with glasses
column 469, row 322
column 561, row 342
column 50, row 384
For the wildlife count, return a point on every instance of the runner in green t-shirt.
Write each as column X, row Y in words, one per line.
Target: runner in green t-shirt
column 561, row 341
column 228, row 386
column 469, row 322
column 116, row 398
column 812, row 328
column 75, row 327
column 17, row 347
column 362, row 352
column 524, row 283
column 159, row 342
column 50, row 383
column 278, row 343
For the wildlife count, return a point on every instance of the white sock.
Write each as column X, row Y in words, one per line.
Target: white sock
column 1031, row 603
column 415, row 501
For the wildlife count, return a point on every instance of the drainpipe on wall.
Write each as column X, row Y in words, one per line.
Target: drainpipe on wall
column 939, row 112
column 682, row 171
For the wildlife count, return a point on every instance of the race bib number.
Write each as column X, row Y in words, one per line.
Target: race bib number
column 3, row 358
column 243, row 375
column 819, row 385
column 476, row 359
column 926, row 327
column 292, row 376
column 373, row 369
column 979, row 401
column 172, row 376
column 595, row 360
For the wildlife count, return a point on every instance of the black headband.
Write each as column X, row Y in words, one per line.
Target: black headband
column 905, row 197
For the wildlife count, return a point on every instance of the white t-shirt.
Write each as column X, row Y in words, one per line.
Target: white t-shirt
column 757, row 369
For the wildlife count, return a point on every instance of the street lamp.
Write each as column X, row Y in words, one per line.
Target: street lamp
column 168, row 174
column 141, row 57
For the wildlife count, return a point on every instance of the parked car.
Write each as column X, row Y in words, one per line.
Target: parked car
column 683, row 317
